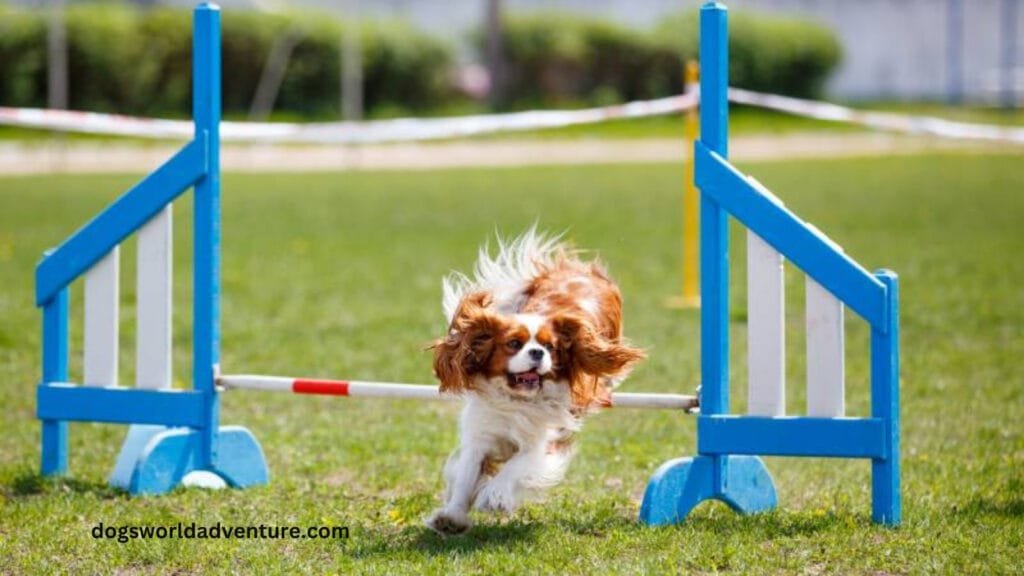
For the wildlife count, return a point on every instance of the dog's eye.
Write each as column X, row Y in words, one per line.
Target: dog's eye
column 515, row 344
column 550, row 347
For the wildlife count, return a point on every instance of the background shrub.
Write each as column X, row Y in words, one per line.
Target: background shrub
column 106, row 71
column 22, row 59
column 122, row 59
column 405, row 68
column 556, row 58
column 135, row 61
column 166, row 59
column 781, row 55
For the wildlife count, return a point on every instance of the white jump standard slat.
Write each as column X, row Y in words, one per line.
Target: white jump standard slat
column 101, row 321
column 422, row 392
column 153, row 308
column 825, row 353
column 766, row 330
column 153, row 304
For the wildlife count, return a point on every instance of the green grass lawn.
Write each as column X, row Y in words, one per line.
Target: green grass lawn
column 338, row 275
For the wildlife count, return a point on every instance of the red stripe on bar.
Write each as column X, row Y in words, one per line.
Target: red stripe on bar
column 325, row 387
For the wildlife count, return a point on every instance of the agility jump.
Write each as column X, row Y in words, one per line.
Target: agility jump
column 177, row 432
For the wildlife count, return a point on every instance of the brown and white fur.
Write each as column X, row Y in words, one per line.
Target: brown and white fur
column 534, row 343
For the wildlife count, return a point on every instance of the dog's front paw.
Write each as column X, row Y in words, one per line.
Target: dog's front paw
column 447, row 523
column 493, row 498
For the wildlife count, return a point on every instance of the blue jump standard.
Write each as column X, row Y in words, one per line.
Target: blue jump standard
column 727, row 467
column 173, row 432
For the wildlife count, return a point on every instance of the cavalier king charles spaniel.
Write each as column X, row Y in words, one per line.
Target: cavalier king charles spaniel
column 534, row 343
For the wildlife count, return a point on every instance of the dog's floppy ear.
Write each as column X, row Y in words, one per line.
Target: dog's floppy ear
column 467, row 348
column 589, row 357
column 591, row 352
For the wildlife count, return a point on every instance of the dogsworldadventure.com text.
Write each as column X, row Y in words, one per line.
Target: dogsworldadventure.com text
column 193, row 531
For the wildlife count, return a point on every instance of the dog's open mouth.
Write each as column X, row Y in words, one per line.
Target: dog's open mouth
column 527, row 381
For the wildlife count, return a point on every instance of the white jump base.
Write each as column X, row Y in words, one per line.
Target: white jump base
column 647, row 401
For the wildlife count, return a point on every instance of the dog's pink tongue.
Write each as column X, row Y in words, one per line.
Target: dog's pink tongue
column 528, row 379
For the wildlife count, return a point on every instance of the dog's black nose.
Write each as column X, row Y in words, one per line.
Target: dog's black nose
column 536, row 354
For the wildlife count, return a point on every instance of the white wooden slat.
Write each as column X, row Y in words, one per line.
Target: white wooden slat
column 825, row 353
column 101, row 321
column 153, row 304
column 766, row 335
column 153, row 332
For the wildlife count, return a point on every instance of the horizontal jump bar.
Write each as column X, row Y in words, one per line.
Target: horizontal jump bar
column 422, row 392
column 793, row 436
column 65, row 401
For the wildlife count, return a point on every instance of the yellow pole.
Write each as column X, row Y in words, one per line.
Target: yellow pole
column 691, row 221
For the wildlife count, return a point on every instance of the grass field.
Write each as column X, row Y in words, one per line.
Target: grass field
column 338, row 275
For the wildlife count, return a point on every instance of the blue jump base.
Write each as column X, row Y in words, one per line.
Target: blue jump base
column 176, row 432
column 680, row 485
column 155, row 459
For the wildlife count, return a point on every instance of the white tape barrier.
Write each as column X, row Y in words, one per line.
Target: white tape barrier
column 417, row 129
column 888, row 121
column 374, row 131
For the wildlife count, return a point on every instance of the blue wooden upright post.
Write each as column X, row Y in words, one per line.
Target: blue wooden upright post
column 55, row 369
column 714, row 245
column 885, row 404
column 206, row 308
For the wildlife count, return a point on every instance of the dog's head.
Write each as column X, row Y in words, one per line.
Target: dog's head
column 519, row 354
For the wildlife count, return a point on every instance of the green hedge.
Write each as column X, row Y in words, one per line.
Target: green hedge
column 22, row 59
column 781, row 55
column 554, row 58
column 139, row 61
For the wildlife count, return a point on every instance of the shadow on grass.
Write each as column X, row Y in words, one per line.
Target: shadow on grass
column 420, row 539
column 717, row 518
column 27, row 483
column 1009, row 507
column 1004, row 500
column 523, row 534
